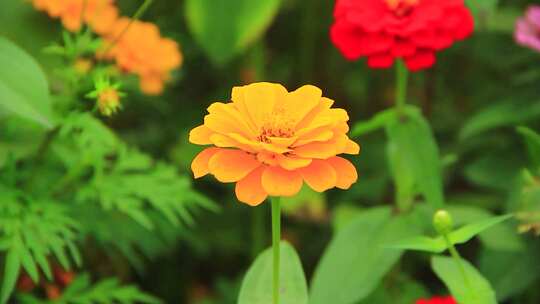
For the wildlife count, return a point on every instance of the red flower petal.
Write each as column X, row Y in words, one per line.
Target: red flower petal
column 380, row 61
column 420, row 60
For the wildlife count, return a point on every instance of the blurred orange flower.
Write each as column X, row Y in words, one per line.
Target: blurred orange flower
column 269, row 141
column 141, row 50
column 100, row 15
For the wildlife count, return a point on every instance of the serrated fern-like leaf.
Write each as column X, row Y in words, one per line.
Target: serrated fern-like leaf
column 134, row 184
column 31, row 231
column 108, row 291
column 124, row 179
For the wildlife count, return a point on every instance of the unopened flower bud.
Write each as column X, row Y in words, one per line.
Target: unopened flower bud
column 442, row 221
column 108, row 101
column 82, row 65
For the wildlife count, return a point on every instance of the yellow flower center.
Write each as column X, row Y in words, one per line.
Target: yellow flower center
column 401, row 7
column 277, row 124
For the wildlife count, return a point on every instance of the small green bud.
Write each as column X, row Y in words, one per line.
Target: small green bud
column 442, row 221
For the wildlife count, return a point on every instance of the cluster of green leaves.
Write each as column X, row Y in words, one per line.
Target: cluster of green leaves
column 82, row 291
column 79, row 169
column 31, row 231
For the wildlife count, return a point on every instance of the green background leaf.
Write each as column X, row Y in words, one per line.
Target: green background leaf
column 257, row 285
column 224, row 34
column 356, row 259
column 478, row 292
column 505, row 113
column 412, row 138
column 23, row 86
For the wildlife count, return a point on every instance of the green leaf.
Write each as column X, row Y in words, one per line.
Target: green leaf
column 11, row 274
column 23, row 86
column 380, row 120
column 510, row 273
column 421, row 243
column 403, row 174
column 506, row 113
column 532, row 140
column 356, row 260
column 459, row 236
column 467, row 232
column 257, row 285
column 495, row 170
column 223, row 34
column 473, row 290
column 502, row 236
column 411, row 136
column 81, row 291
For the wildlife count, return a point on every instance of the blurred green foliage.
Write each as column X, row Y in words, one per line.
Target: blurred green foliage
column 114, row 196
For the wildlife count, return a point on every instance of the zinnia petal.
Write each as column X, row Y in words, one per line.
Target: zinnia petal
column 319, row 175
column 277, row 181
column 232, row 165
column 260, row 99
column 300, row 102
column 346, row 172
column 199, row 165
column 293, row 162
column 249, row 190
column 200, row 135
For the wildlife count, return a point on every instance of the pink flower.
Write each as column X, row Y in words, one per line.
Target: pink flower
column 528, row 28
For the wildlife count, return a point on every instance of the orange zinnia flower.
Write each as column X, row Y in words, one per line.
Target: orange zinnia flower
column 269, row 141
column 141, row 50
column 100, row 15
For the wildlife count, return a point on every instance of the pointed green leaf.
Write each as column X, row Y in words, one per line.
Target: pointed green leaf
column 380, row 120
column 467, row 232
column 474, row 289
column 502, row 236
column 532, row 140
column 505, row 113
column 411, row 136
column 11, row 274
column 23, row 87
column 27, row 261
column 224, row 35
column 356, row 259
column 459, row 236
column 257, row 285
column 421, row 243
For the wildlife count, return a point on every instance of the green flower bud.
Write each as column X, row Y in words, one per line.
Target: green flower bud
column 442, row 221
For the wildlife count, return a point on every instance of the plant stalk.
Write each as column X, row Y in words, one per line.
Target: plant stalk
column 457, row 258
column 276, row 237
column 402, row 75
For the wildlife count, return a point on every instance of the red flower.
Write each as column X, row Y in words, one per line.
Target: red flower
column 383, row 30
column 437, row 300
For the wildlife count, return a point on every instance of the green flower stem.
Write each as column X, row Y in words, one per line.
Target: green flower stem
column 140, row 11
column 404, row 199
column 402, row 76
column 276, row 237
column 455, row 255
